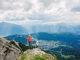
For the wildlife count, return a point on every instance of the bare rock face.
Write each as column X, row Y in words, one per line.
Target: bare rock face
column 9, row 50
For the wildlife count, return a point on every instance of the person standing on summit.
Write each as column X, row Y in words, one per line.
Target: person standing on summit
column 29, row 40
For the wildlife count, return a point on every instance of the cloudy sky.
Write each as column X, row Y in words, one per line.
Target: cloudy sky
column 40, row 11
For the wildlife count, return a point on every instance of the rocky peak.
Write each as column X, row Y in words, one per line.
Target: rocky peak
column 36, row 54
column 9, row 50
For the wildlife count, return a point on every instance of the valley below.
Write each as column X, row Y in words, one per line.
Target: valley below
column 65, row 45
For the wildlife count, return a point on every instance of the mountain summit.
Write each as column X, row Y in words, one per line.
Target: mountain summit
column 11, row 50
column 36, row 54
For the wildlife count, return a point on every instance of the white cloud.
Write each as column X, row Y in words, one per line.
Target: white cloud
column 43, row 11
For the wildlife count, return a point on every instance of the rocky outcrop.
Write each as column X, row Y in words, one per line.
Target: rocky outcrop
column 9, row 50
column 35, row 54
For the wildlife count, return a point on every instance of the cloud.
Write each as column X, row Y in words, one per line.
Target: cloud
column 42, row 16
column 15, row 4
column 47, row 3
column 43, row 11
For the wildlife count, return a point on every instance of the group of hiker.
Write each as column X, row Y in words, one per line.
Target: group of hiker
column 29, row 41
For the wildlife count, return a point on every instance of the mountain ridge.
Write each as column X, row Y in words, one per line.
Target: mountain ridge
column 11, row 29
column 12, row 50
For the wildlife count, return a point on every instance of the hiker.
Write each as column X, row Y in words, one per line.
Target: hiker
column 29, row 40
column 37, row 44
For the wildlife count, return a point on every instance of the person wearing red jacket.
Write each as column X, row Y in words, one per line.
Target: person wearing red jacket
column 29, row 40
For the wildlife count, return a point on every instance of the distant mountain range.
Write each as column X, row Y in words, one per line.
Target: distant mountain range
column 58, row 28
column 11, row 29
